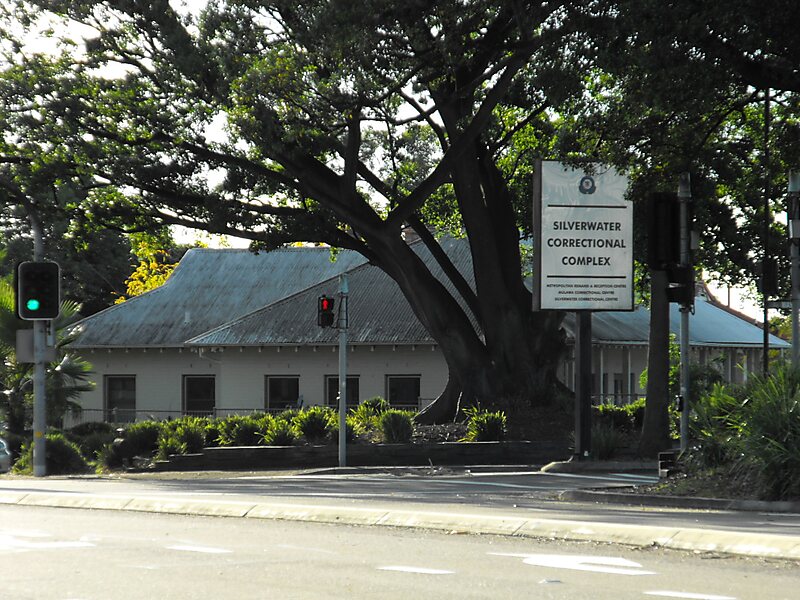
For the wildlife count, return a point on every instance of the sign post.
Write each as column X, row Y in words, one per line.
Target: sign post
column 583, row 228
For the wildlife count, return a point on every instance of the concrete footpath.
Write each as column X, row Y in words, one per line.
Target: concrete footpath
column 448, row 518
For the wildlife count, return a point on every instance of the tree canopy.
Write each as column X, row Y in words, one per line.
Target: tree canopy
column 349, row 123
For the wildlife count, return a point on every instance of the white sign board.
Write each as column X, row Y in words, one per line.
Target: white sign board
column 584, row 239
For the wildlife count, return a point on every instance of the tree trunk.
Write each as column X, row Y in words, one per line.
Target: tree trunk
column 655, row 429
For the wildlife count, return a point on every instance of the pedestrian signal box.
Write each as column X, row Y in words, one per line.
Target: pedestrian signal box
column 325, row 316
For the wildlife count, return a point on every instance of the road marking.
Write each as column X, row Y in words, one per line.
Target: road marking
column 421, row 570
column 688, row 596
column 9, row 542
column 203, row 549
column 596, row 564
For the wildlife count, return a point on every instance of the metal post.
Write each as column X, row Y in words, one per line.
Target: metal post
column 342, row 325
column 583, row 387
column 39, row 348
column 794, row 245
column 684, row 197
column 767, row 194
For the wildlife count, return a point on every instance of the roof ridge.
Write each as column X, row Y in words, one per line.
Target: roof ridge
column 279, row 301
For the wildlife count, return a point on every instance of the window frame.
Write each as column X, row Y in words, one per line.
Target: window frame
column 331, row 401
column 389, row 377
column 184, row 400
column 116, row 410
column 267, row 400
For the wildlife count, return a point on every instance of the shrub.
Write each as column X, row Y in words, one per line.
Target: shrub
column 92, row 444
column 350, row 428
column 62, row 457
column 212, row 433
column 141, row 439
column 192, row 434
column 606, row 441
column 111, row 456
column 92, row 427
column 376, row 405
column 397, row 426
column 288, row 414
column 280, row 432
column 485, row 426
column 170, row 444
column 768, row 425
column 313, row 423
column 240, row 430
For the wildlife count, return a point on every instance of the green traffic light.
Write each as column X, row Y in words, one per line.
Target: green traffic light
column 33, row 304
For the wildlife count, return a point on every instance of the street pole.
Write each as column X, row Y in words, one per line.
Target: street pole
column 794, row 253
column 583, row 384
column 767, row 193
column 39, row 348
column 684, row 198
column 343, row 324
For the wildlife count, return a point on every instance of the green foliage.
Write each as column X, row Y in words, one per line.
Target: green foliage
column 141, row 439
column 212, row 433
column 279, row 432
column 351, row 426
column 192, row 434
column 288, row 414
column 606, row 441
column 753, row 432
column 62, row 457
column 485, row 425
column 170, row 444
column 365, row 416
column 397, row 426
column 314, row 423
column 91, row 437
column 625, row 418
column 91, row 427
column 242, row 430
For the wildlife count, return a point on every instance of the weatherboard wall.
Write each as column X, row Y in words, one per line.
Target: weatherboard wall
column 240, row 374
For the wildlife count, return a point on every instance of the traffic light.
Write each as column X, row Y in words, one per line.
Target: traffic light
column 769, row 283
column 663, row 231
column 38, row 290
column 325, row 317
column 681, row 285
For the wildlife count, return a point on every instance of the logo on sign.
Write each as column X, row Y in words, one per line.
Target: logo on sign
column 587, row 185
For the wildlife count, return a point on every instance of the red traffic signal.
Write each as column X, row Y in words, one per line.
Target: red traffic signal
column 325, row 317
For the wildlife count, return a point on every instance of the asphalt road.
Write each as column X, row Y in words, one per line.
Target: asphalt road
column 520, row 493
column 62, row 554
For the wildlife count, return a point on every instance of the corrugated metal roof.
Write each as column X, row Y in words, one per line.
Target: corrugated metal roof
column 224, row 297
column 208, row 288
column 378, row 311
column 709, row 326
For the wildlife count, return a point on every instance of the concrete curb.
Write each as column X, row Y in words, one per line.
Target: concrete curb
column 690, row 502
column 468, row 521
column 606, row 466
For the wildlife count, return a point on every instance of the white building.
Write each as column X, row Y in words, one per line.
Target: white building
column 232, row 331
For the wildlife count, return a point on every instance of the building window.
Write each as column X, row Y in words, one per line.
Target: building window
column 403, row 390
column 199, row 395
column 332, row 390
column 281, row 391
column 120, row 398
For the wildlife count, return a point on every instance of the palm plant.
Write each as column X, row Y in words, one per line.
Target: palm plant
column 66, row 378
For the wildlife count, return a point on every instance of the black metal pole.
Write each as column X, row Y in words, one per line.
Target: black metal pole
column 767, row 192
column 583, row 384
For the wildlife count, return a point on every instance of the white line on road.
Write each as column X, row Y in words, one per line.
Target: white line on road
column 203, row 549
column 421, row 570
column 688, row 596
column 596, row 564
